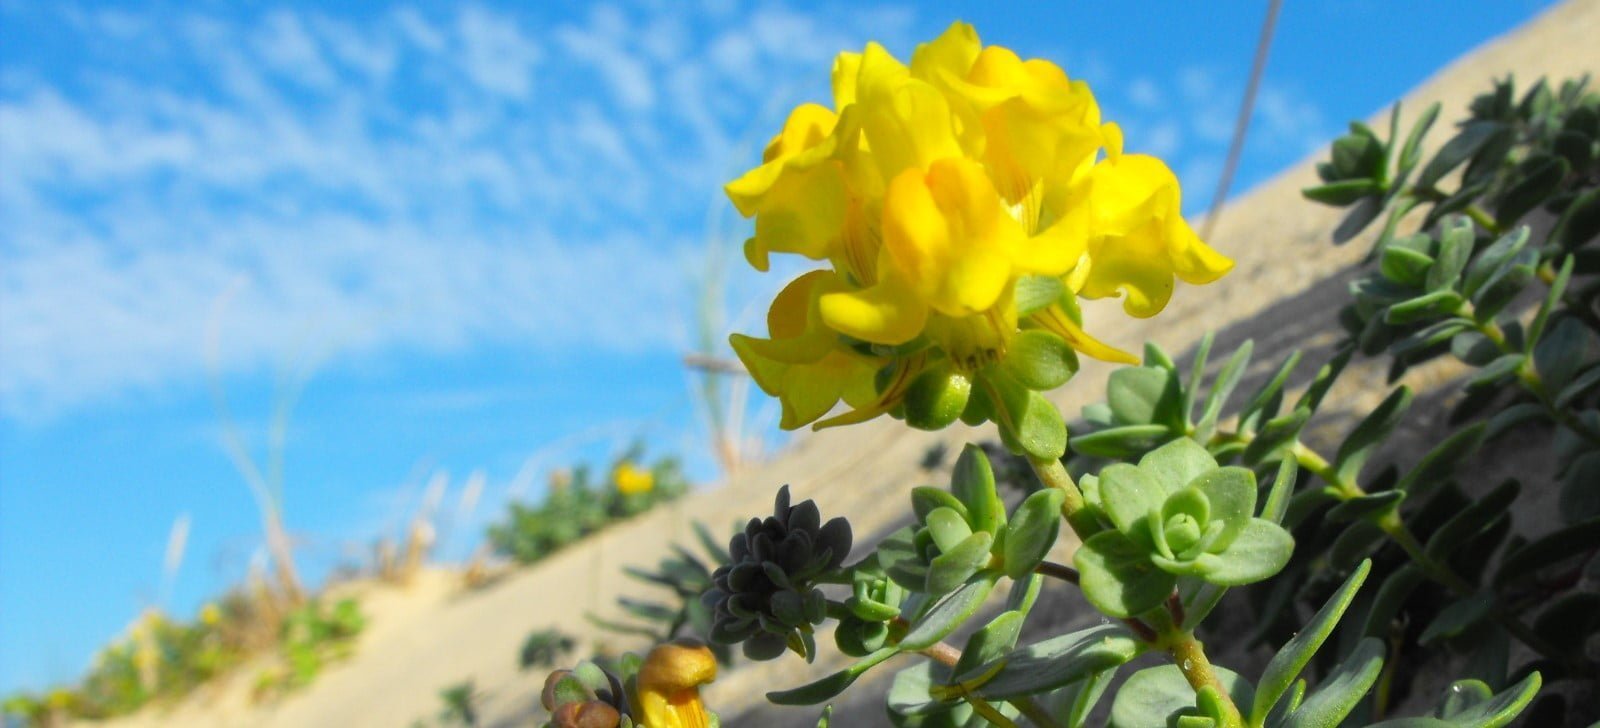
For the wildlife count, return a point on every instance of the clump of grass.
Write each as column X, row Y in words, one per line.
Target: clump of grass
column 313, row 637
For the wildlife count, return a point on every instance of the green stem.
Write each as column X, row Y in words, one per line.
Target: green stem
column 1440, row 572
column 1189, row 654
column 946, row 655
column 1484, row 219
column 1530, row 380
column 1054, row 475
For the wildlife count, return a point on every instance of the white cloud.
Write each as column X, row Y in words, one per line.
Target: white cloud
column 403, row 182
column 498, row 56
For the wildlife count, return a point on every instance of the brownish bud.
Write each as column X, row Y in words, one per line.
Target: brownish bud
column 593, row 714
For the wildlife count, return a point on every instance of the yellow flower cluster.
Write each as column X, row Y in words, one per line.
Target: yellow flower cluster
column 931, row 190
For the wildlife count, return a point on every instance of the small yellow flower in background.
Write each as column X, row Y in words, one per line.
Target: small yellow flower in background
column 210, row 614
column 669, row 685
column 932, row 191
column 632, row 479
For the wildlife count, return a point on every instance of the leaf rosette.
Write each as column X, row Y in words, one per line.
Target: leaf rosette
column 1176, row 514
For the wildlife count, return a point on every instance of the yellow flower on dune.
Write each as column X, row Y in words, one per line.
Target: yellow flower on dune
column 631, row 479
column 931, row 190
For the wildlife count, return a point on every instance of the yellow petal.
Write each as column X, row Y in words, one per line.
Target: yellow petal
column 947, row 57
column 888, row 313
column 948, row 234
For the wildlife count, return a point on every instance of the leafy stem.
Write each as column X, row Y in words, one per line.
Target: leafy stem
column 947, row 655
column 1054, row 475
column 1396, row 529
column 1189, row 655
column 1530, row 380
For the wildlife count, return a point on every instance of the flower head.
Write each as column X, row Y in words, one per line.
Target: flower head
column 632, row 479
column 669, row 685
column 957, row 201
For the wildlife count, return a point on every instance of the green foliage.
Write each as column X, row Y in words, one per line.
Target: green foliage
column 579, row 504
column 313, row 636
column 686, row 577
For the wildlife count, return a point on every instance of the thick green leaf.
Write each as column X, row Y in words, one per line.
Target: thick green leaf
column 830, row 686
column 1325, row 376
column 1232, row 494
column 926, row 498
column 1455, row 248
column 1277, row 502
column 1159, row 696
column 1117, row 576
column 1472, row 520
column 1525, row 562
column 1032, row 532
column 1041, row 431
column 1359, row 217
column 1129, row 495
column 909, row 693
column 1570, row 620
column 1559, row 354
column 1197, row 372
column 1261, row 550
column 1396, row 589
column 1120, row 442
column 948, row 528
column 1493, row 260
column 902, row 561
column 948, row 614
column 1460, row 148
column 1035, row 292
column 1501, row 709
column 1269, row 392
column 1580, row 223
column 1460, row 616
column 1411, row 152
column 1371, row 506
column 1339, row 693
column 1552, row 298
column 1221, row 388
column 1424, row 307
column 1057, row 661
column 1372, row 431
column 1040, row 359
column 1579, row 386
column 990, row 643
column 1537, row 177
column 1142, row 396
column 1177, row 463
column 1496, row 371
column 1405, row 264
column 1276, row 435
column 952, row 568
column 972, row 482
column 1343, row 192
column 1298, row 651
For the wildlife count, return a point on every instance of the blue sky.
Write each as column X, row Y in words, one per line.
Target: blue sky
column 476, row 229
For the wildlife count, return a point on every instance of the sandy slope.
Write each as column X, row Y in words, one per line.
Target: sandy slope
column 1284, row 294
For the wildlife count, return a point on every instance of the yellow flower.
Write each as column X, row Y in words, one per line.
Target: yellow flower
column 931, row 190
column 803, row 364
column 632, row 479
column 1139, row 239
column 669, row 685
column 210, row 614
